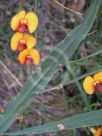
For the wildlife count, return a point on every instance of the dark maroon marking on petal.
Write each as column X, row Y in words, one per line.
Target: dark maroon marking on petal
column 99, row 87
column 21, row 47
column 22, row 28
column 28, row 61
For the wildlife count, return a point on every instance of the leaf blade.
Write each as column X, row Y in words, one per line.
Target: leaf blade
column 86, row 119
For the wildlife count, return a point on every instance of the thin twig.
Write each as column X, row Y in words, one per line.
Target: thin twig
column 68, row 8
column 11, row 74
column 92, row 32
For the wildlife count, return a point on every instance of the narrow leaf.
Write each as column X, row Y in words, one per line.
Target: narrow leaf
column 93, row 118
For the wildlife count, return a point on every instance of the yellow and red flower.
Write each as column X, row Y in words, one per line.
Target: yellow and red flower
column 20, row 41
column 23, row 22
column 98, row 132
column 92, row 83
column 29, row 57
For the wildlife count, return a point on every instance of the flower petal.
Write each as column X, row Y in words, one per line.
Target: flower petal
column 15, row 40
column 22, row 56
column 35, row 56
column 32, row 21
column 88, row 85
column 98, row 77
column 98, row 132
column 16, row 19
column 30, row 41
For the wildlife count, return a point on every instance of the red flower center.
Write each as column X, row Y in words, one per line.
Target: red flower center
column 99, row 87
column 21, row 47
column 28, row 60
column 22, row 28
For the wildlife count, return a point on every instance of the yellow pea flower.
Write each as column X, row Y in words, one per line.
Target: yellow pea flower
column 23, row 21
column 98, row 77
column 92, row 83
column 88, row 85
column 29, row 57
column 98, row 132
column 20, row 41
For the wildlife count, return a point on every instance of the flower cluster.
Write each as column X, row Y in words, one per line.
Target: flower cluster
column 23, row 41
column 91, row 84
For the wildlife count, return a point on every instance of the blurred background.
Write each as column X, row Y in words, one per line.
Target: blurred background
column 61, row 97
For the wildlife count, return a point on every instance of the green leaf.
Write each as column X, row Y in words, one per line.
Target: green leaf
column 85, row 58
column 58, row 57
column 93, row 118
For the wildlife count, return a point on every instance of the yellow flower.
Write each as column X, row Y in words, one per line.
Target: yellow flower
column 98, row 132
column 98, row 77
column 21, row 41
column 92, row 83
column 23, row 21
column 29, row 57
